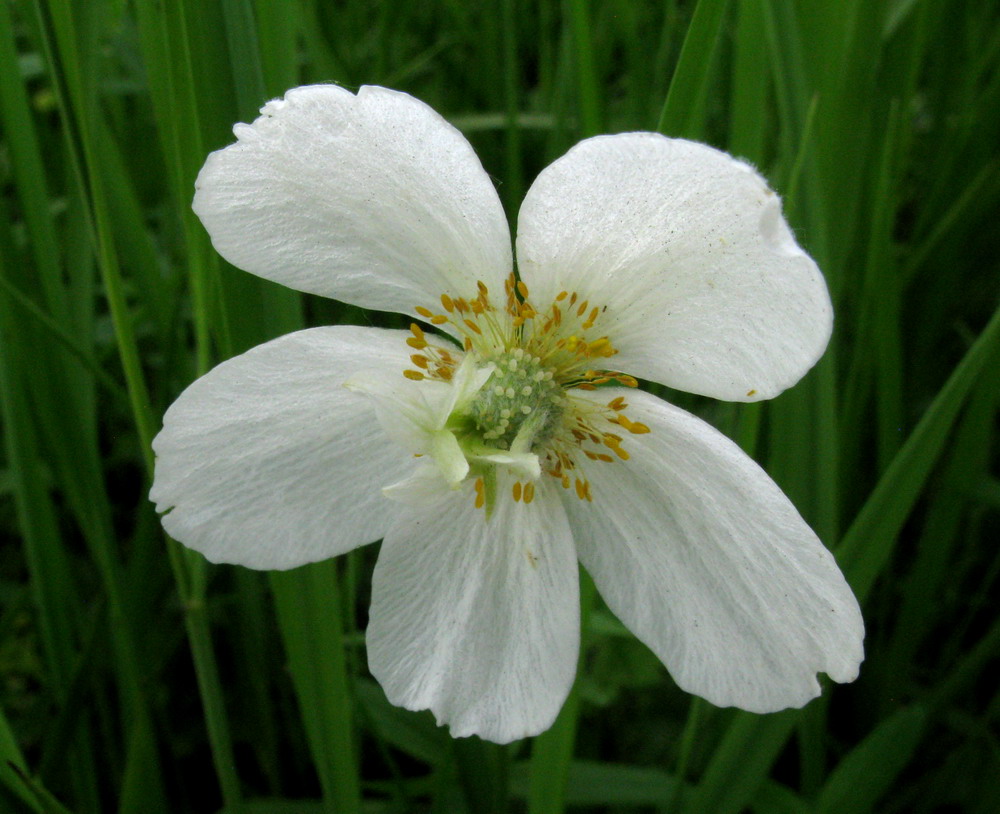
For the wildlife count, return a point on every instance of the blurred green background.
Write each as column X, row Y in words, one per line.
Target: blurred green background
column 137, row 679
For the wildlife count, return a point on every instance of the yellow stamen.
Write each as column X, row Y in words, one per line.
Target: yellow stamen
column 617, row 450
column 419, row 361
column 517, row 490
column 416, row 375
column 634, row 427
column 446, row 301
column 601, row 347
column 529, row 492
column 424, row 312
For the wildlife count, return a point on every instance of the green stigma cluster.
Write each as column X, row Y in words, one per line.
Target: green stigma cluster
column 520, row 393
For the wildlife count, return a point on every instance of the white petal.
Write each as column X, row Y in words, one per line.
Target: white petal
column 700, row 554
column 269, row 461
column 705, row 287
column 476, row 619
column 372, row 199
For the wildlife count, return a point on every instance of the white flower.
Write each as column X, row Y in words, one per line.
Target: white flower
column 493, row 458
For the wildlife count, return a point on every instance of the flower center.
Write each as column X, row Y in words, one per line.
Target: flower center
column 520, row 395
column 524, row 416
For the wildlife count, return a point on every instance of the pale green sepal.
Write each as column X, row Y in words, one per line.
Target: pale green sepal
column 523, row 463
column 489, row 490
column 424, row 487
column 466, row 382
column 449, row 457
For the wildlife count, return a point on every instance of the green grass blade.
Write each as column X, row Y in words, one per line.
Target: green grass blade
column 308, row 602
column 741, row 761
column 747, row 117
column 863, row 776
column 12, row 794
column 552, row 751
column 587, row 82
column 244, row 57
column 690, row 79
column 866, row 547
